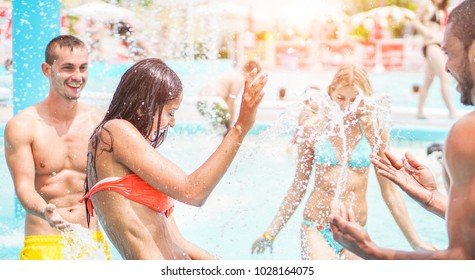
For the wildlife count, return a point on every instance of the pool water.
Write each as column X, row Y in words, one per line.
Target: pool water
column 103, row 79
column 245, row 201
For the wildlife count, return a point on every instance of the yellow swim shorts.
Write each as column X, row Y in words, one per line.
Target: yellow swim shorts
column 51, row 247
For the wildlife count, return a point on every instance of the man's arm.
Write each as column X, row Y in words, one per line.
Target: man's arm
column 459, row 159
column 356, row 239
column 19, row 158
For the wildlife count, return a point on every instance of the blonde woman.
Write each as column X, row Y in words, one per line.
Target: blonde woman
column 430, row 23
column 341, row 170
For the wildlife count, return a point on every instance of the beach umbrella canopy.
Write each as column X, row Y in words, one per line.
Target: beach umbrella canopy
column 396, row 12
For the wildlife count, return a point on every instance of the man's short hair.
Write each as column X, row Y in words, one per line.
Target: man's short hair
column 68, row 41
column 463, row 23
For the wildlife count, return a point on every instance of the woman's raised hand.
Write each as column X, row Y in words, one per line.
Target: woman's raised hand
column 251, row 99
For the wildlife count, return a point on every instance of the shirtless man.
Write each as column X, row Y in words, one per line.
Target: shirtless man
column 46, row 150
column 458, row 159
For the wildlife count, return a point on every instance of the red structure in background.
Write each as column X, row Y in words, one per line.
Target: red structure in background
column 392, row 54
column 368, row 49
column 335, row 53
column 5, row 14
column 373, row 54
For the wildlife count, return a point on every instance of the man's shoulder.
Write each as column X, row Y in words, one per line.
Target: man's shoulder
column 459, row 137
column 25, row 116
column 22, row 124
column 465, row 123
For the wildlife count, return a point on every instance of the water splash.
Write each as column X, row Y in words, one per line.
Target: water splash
column 376, row 109
column 79, row 244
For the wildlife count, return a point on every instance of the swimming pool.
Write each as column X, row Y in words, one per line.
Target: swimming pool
column 246, row 199
column 248, row 196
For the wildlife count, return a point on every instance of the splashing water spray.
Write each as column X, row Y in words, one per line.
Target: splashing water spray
column 78, row 244
column 376, row 107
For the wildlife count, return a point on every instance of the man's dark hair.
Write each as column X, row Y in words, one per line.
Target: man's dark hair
column 463, row 23
column 68, row 41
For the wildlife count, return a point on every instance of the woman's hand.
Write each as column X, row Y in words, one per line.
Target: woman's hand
column 251, row 99
column 259, row 246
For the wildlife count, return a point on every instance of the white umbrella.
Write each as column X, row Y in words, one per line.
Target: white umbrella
column 383, row 14
column 396, row 12
column 303, row 13
column 101, row 11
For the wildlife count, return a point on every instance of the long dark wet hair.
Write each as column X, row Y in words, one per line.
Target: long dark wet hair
column 142, row 91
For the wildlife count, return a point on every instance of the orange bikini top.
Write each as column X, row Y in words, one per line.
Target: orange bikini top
column 134, row 188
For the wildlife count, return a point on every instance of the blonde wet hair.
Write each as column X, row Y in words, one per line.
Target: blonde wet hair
column 351, row 75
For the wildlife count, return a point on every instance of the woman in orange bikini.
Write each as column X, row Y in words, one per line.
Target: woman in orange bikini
column 323, row 149
column 131, row 186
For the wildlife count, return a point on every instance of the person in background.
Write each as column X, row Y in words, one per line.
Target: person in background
column 282, row 93
column 137, row 49
column 218, row 98
column 46, row 148
column 131, row 187
column 435, row 163
column 415, row 89
column 322, row 150
column 8, row 65
column 417, row 181
column 430, row 22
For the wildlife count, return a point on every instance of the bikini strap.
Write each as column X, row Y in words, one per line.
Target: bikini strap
column 361, row 128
